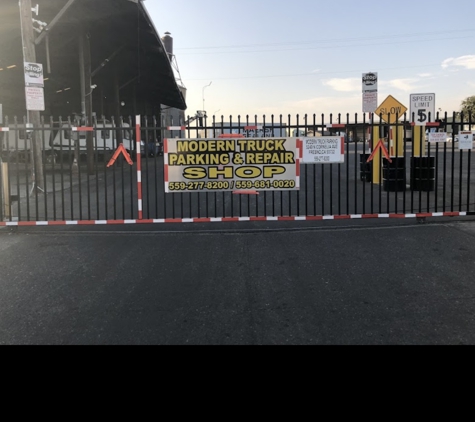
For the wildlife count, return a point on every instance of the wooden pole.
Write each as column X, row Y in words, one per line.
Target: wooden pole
column 29, row 55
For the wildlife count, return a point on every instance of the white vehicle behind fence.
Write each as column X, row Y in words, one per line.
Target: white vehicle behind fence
column 104, row 140
column 16, row 143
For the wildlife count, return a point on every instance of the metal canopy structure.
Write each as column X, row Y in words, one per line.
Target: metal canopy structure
column 130, row 69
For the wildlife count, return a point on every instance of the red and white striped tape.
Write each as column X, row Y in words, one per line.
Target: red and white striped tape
column 336, row 125
column 4, row 129
column 433, row 124
column 82, row 128
column 232, row 219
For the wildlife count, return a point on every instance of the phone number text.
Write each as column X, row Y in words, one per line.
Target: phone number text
column 229, row 185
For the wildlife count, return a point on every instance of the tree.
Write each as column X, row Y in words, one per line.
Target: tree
column 468, row 107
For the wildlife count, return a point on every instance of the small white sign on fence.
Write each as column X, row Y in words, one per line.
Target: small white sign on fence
column 323, row 150
column 437, row 136
column 466, row 139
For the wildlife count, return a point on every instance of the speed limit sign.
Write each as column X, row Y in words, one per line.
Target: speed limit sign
column 422, row 108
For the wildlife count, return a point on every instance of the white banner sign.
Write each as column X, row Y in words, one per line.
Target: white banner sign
column 421, row 105
column 229, row 164
column 466, row 139
column 35, row 99
column 323, row 150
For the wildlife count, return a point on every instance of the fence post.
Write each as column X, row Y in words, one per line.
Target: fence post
column 5, row 193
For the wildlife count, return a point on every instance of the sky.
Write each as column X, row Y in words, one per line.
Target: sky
column 265, row 57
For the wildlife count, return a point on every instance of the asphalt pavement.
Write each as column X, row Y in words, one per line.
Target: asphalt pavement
column 373, row 282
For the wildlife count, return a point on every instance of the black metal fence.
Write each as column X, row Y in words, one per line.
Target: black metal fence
column 422, row 177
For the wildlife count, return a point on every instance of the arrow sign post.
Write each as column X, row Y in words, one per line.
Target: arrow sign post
column 118, row 151
column 379, row 145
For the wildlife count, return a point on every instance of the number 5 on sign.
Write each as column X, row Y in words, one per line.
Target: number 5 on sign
column 422, row 108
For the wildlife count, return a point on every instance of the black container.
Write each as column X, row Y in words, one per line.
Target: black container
column 394, row 174
column 366, row 169
column 423, row 173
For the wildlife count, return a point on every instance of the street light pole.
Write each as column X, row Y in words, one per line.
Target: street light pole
column 203, row 94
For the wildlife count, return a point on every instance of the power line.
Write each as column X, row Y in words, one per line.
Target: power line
column 330, row 40
column 328, row 46
column 315, row 73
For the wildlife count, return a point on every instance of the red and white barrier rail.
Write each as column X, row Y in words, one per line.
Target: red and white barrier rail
column 232, row 219
column 82, row 128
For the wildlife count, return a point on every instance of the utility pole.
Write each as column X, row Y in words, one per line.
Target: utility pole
column 29, row 55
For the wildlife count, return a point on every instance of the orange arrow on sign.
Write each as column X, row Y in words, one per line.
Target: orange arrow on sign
column 117, row 152
column 379, row 145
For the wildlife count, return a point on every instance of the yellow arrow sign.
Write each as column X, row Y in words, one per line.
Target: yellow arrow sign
column 389, row 109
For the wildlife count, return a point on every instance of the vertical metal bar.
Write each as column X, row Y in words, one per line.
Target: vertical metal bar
column 53, row 164
column 213, row 132
column 263, row 135
column 436, row 187
column 363, row 161
column 314, row 171
column 27, row 171
column 122, row 162
column 354, row 139
column 114, row 188
column 331, row 175
column 428, row 170
column 43, row 160
column 146, row 151
column 78, row 137
column 18, row 172
column 298, row 192
column 387, row 164
column 397, row 140
column 404, row 140
column 273, row 135
column 305, row 169
column 469, row 154
column 461, row 165
column 322, row 168
column 71, row 155
column 347, row 165
column 104, row 150
column 413, row 163
column 452, row 174
column 281, row 193
column 444, row 191
column 157, row 153
column 96, row 165
column 35, row 136
column 87, row 174
column 165, row 152
column 131, row 170
column 61, row 166
column 421, row 140
column 380, row 160
column 372, row 144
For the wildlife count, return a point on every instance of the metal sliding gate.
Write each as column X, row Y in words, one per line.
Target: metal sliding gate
column 385, row 171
